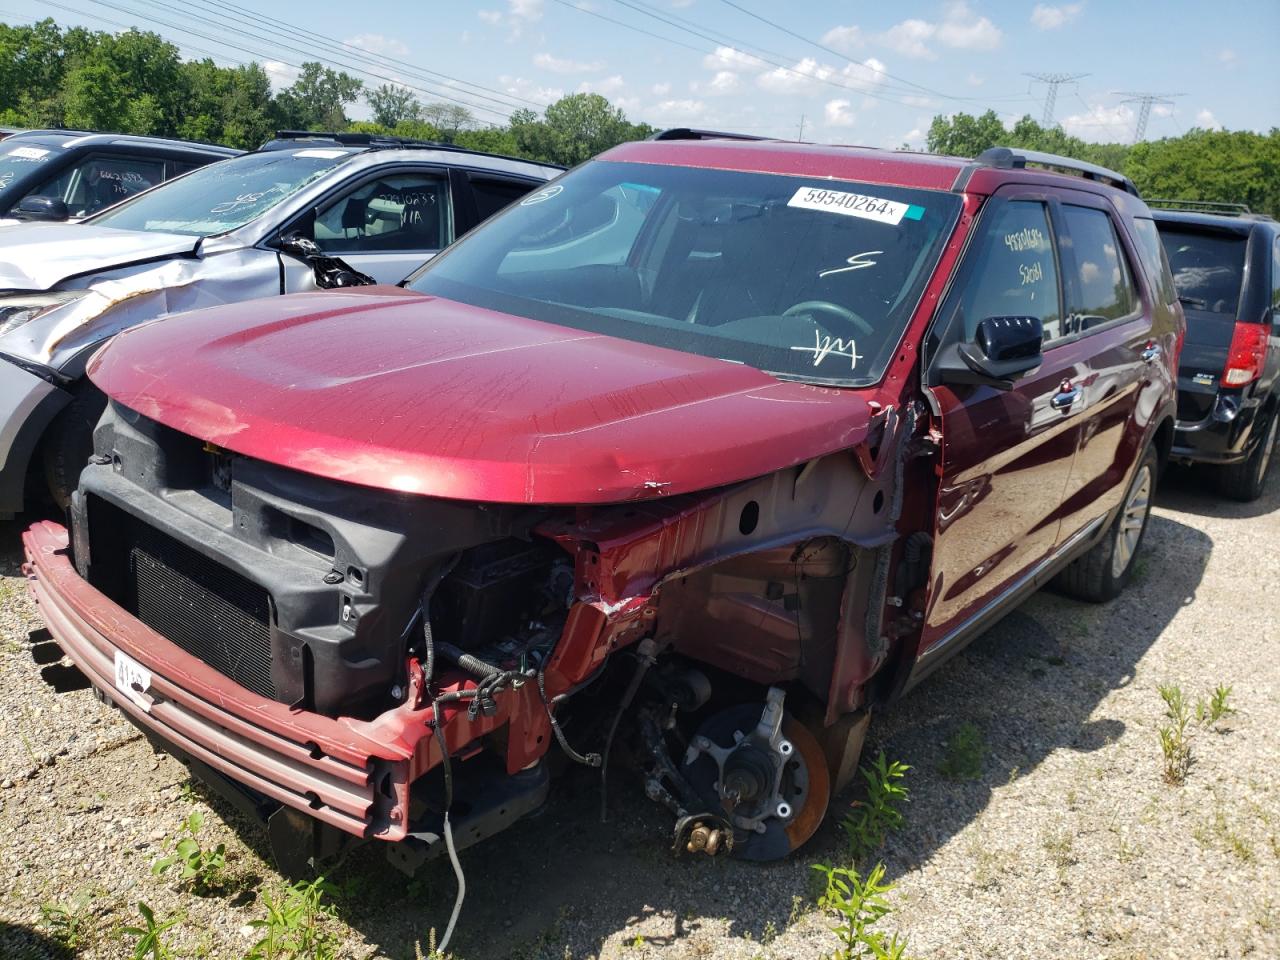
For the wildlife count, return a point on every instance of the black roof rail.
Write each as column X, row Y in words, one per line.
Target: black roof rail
column 1007, row 159
column 287, row 139
column 1201, row 206
column 688, row 133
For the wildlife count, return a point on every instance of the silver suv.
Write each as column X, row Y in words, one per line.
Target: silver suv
column 306, row 212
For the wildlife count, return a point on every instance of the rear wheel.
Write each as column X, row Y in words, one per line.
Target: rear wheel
column 1245, row 481
column 1104, row 571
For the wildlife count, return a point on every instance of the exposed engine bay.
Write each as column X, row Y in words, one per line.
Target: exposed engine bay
column 724, row 640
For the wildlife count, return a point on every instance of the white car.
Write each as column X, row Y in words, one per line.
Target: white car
column 308, row 211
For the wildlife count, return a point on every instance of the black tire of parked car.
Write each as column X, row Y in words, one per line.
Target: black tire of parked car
column 69, row 441
column 1244, row 481
column 1093, row 577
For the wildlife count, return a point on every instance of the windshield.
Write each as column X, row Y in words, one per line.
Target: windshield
column 1207, row 267
column 22, row 159
column 804, row 278
column 224, row 195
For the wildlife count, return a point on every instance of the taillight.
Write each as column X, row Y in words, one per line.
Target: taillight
column 1247, row 356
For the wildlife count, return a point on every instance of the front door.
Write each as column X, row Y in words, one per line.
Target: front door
column 1006, row 454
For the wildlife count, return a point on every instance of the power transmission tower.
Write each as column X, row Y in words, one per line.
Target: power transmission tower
column 1145, row 101
column 1053, row 81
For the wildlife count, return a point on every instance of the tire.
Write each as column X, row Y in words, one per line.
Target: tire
column 69, row 442
column 1102, row 573
column 1245, row 481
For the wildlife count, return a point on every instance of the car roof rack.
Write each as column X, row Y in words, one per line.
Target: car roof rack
column 287, row 139
column 1201, row 206
column 688, row 133
column 1008, row 159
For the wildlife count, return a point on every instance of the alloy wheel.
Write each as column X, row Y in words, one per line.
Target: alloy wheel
column 1132, row 519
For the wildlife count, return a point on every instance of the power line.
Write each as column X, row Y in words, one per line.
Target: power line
column 151, row 18
column 1053, row 81
column 1145, row 101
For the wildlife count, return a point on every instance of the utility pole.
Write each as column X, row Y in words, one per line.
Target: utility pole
column 800, row 135
column 1053, row 81
column 1145, row 102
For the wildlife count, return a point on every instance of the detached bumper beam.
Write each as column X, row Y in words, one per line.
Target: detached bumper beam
column 350, row 774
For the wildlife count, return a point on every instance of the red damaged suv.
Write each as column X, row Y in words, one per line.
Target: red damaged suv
column 704, row 450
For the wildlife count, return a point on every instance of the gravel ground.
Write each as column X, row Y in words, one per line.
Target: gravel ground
column 1069, row 844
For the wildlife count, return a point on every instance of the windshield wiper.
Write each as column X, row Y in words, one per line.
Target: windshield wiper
column 1193, row 302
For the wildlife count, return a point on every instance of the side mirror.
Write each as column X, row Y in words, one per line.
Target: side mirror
column 41, row 208
column 1004, row 349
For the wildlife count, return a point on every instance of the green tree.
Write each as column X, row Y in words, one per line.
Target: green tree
column 965, row 136
column 391, row 104
column 316, row 100
column 449, row 119
column 1224, row 166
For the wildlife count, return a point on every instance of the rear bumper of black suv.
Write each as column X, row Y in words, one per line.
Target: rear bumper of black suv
column 1223, row 437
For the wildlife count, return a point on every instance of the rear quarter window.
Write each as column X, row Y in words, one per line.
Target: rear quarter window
column 1154, row 261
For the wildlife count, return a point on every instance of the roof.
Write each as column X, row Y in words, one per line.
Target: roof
column 361, row 142
column 897, row 167
column 77, row 137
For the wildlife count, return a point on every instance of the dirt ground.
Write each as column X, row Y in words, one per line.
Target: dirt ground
column 1068, row 844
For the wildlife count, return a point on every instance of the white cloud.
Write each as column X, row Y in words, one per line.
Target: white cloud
column 838, row 114
column 606, row 87
column 974, row 80
column 806, row 74
column 725, row 81
column 1227, row 57
column 864, row 76
column 376, row 43
column 843, row 38
column 1045, row 17
column 915, row 138
column 518, row 15
column 1207, row 120
column 1102, row 123
column 961, row 28
column 726, row 58
column 521, row 87
column 964, row 30
column 671, row 112
column 661, row 89
column 559, row 65
column 910, row 38
column 280, row 74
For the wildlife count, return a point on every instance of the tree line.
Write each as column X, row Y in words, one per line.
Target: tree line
column 137, row 82
column 1220, row 166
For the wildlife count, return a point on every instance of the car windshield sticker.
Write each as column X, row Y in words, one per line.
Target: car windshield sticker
column 856, row 262
column 826, row 346
column 855, row 205
column 28, row 153
column 321, row 154
column 546, row 193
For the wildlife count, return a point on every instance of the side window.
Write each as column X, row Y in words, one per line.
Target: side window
column 400, row 213
column 493, row 194
column 1015, row 274
column 1104, row 283
column 1151, row 250
column 98, row 182
column 1275, row 278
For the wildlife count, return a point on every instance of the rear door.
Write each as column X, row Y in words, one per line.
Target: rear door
column 1109, row 311
column 1006, row 454
column 1208, row 267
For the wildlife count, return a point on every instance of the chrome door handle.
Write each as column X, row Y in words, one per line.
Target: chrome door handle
column 1063, row 399
column 1151, row 354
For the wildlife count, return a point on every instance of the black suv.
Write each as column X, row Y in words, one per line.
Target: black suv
column 69, row 174
column 1226, row 267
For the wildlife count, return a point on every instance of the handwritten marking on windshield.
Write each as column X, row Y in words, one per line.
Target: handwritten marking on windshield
column 856, row 262
column 826, row 346
column 243, row 200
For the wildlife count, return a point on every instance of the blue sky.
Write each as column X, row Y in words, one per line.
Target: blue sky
column 855, row 72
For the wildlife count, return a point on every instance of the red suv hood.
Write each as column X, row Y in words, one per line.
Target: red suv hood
column 393, row 389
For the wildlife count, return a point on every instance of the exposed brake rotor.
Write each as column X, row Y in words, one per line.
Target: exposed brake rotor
column 766, row 772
